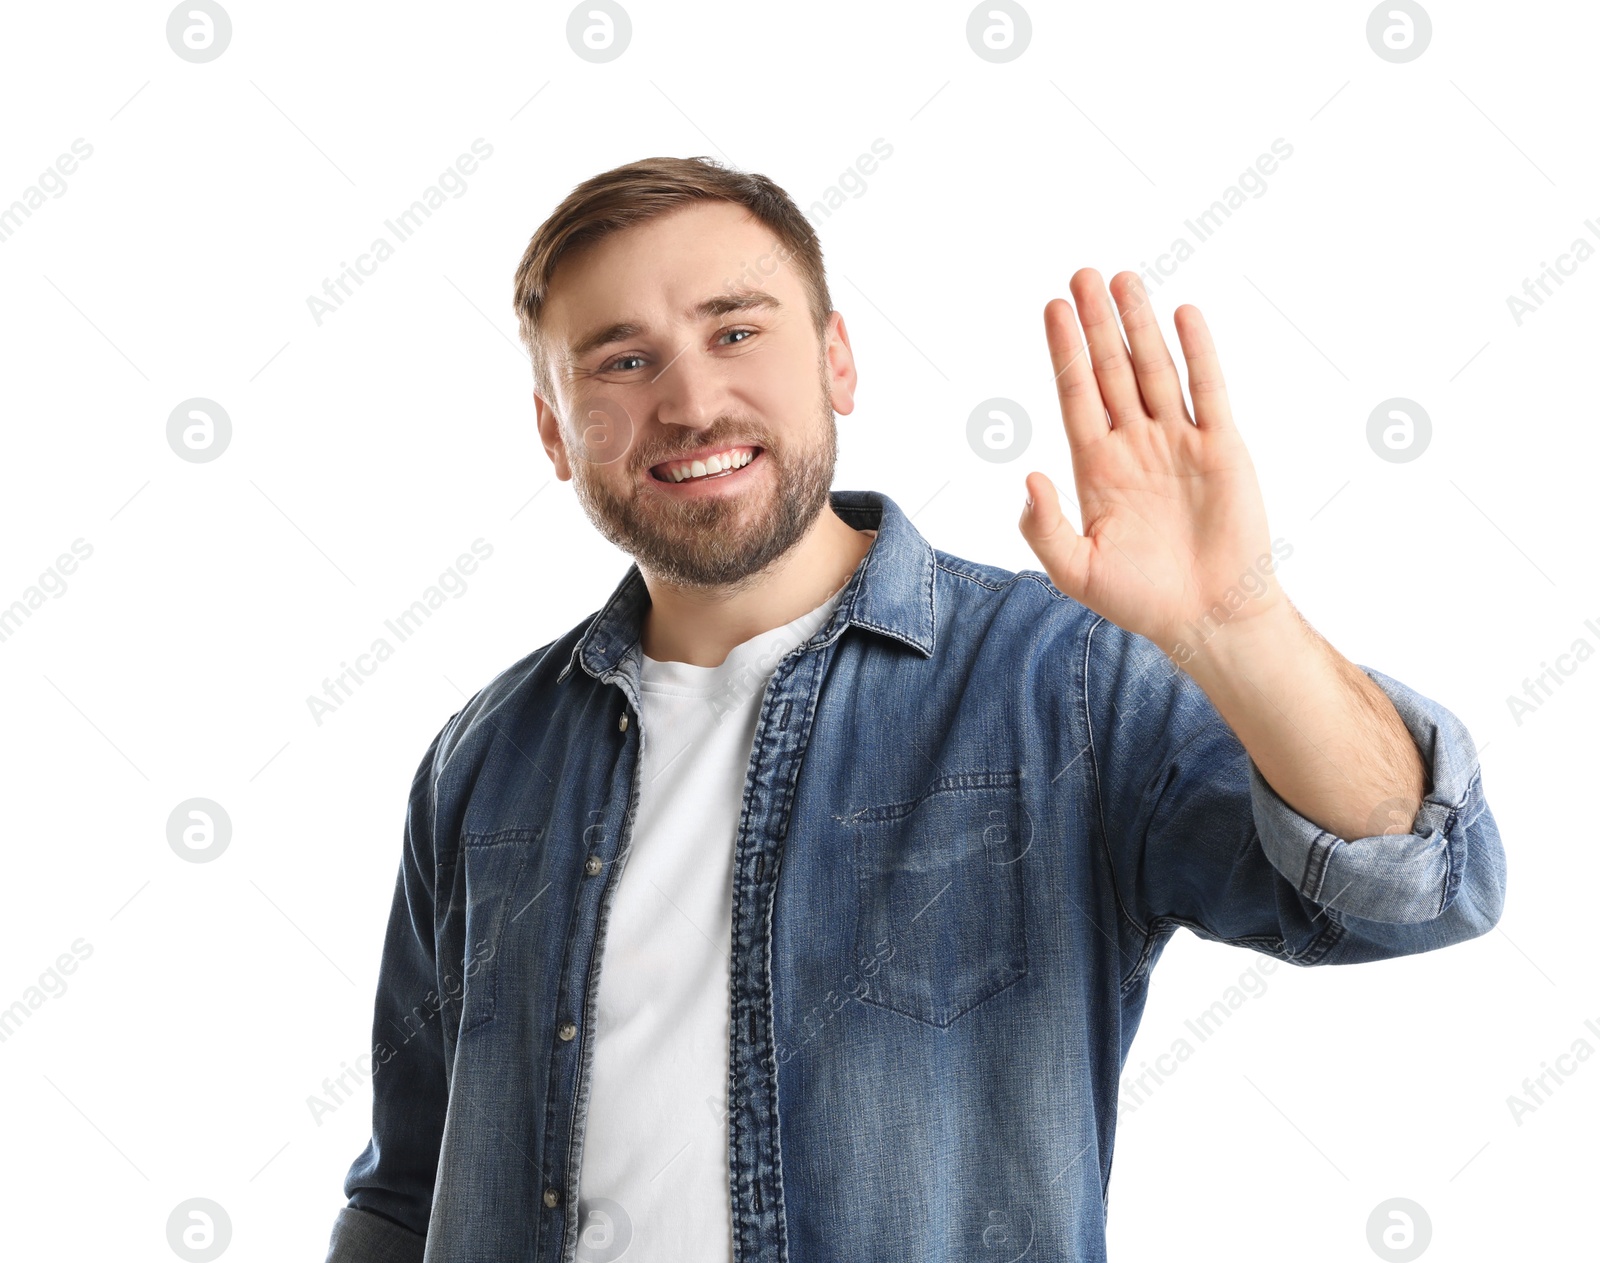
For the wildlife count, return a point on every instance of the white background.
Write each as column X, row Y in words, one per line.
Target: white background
column 370, row 451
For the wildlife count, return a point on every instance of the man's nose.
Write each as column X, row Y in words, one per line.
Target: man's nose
column 690, row 390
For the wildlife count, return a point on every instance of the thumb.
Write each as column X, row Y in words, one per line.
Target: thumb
column 1054, row 540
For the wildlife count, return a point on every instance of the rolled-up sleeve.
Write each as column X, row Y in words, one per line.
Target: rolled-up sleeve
column 1196, row 837
column 360, row 1236
column 1441, row 881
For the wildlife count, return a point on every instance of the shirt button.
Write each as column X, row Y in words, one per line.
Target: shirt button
column 552, row 1197
column 567, row 1030
column 622, row 722
column 592, row 865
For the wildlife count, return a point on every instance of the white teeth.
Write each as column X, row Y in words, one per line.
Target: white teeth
column 713, row 465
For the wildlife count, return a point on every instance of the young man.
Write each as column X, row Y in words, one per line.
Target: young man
column 801, row 902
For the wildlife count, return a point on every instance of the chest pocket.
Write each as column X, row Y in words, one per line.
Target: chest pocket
column 483, row 881
column 939, row 896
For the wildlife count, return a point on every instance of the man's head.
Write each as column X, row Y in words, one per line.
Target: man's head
column 671, row 306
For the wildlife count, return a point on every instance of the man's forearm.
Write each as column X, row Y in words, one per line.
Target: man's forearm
column 1324, row 736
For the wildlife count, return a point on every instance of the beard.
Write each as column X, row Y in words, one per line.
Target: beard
column 723, row 542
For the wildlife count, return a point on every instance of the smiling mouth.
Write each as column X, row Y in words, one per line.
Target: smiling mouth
column 668, row 471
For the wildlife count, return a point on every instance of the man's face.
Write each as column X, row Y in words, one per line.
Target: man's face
column 679, row 337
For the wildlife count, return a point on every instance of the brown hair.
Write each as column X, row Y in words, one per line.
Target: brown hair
column 639, row 191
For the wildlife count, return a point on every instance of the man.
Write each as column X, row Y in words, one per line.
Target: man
column 801, row 902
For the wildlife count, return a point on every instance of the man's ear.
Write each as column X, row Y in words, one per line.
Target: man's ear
column 550, row 435
column 840, row 366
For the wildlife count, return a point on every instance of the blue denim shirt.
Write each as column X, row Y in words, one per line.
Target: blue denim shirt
column 974, row 814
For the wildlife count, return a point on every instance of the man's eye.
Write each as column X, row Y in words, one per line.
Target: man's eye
column 621, row 363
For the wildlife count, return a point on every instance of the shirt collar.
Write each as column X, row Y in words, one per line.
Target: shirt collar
column 890, row 593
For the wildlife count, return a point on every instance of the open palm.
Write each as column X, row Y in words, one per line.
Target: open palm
column 1173, row 519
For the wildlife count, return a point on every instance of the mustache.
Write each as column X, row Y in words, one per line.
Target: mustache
column 652, row 461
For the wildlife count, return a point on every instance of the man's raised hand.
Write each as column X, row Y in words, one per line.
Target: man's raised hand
column 1172, row 513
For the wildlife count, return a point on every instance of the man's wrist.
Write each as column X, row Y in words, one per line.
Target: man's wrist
column 1223, row 652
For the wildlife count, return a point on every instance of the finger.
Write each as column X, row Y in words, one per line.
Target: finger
column 1112, row 367
column 1206, row 388
column 1152, row 363
column 1083, row 411
column 1055, row 541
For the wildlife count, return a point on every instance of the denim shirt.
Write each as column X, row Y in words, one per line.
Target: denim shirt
column 974, row 814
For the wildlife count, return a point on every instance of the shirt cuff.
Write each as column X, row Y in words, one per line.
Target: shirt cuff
column 1400, row 878
column 360, row 1236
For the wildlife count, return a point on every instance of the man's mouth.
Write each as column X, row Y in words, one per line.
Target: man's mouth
column 717, row 464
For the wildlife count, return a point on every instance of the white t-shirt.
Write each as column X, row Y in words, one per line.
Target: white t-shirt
column 653, row 1180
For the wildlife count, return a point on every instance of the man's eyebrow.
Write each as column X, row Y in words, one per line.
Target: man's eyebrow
column 706, row 309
